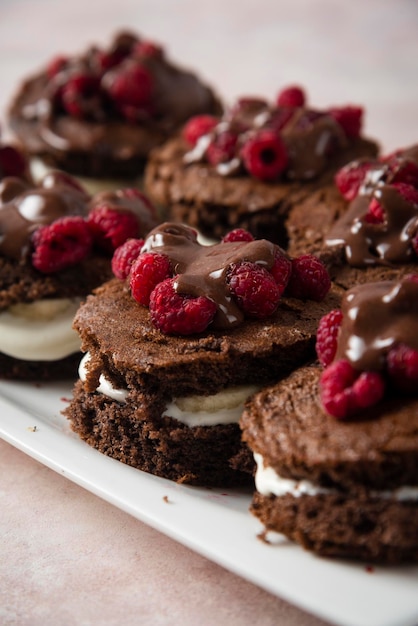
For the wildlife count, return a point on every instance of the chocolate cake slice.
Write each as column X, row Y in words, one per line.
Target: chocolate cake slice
column 337, row 448
column 249, row 168
column 56, row 243
column 98, row 114
column 163, row 391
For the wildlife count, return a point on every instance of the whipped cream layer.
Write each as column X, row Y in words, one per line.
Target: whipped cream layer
column 224, row 407
column 268, row 482
column 40, row 331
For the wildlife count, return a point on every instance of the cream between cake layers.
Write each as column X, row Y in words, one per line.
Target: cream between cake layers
column 56, row 243
column 198, row 329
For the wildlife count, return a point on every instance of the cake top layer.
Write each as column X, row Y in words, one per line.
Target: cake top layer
column 56, row 224
column 369, row 348
column 380, row 226
column 286, row 140
column 100, row 99
column 189, row 287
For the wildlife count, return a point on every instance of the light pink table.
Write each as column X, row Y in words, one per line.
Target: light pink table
column 67, row 557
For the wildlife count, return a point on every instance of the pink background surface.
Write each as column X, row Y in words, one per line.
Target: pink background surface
column 66, row 557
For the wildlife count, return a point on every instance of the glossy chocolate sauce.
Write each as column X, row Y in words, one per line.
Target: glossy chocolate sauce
column 202, row 270
column 310, row 137
column 385, row 243
column 376, row 317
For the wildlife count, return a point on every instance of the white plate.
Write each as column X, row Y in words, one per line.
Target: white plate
column 214, row 523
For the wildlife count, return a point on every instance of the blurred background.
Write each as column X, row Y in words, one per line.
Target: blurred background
column 358, row 52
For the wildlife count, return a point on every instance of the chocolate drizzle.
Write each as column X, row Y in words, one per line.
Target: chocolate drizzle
column 378, row 316
column 202, row 270
column 385, row 243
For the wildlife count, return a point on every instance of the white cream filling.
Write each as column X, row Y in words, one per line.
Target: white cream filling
column 224, row 407
column 268, row 482
column 40, row 331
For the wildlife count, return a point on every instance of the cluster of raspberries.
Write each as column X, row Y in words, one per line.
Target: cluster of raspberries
column 69, row 240
column 262, row 152
column 344, row 391
column 255, row 289
column 366, row 176
column 113, row 82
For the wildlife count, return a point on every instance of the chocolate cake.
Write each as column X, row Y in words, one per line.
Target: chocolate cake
column 248, row 168
column 364, row 228
column 199, row 328
column 56, row 244
column 337, row 448
column 98, row 114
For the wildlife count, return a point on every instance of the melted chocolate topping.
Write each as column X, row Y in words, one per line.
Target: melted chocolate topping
column 202, row 270
column 383, row 243
column 310, row 137
column 376, row 317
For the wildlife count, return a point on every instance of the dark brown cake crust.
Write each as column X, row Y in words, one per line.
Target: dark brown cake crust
column 214, row 204
column 376, row 452
column 125, row 347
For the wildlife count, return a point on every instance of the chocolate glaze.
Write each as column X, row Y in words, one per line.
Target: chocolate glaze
column 386, row 243
column 202, row 270
column 378, row 316
column 310, row 137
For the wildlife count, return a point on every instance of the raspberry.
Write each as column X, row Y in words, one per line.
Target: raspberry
column 78, row 92
column 344, row 391
column 178, row 314
column 239, row 234
column 148, row 49
column 129, row 85
column 124, row 256
column 292, row 96
column 350, row 177
column 147, row 271
column 265, row 155
column 375, row 212
column 12, row 162
column 350, row 118
column 254, row 289
column 402, row 170
column 327, row 336
column 222, row 148
column 198, row 126
column 56, row 65
column 309, row 279
column 281, row 270
column 59, row 245
column 402, row 366
column 110, row 227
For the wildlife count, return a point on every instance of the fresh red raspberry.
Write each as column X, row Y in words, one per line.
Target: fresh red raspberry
column 59, row 245
column 147, row 271
column 129, row 85
column 198, row 126
column 402, row 170
column 12, row 162
column 292, row 96
column 309, row 279
column 281, row 270
column 350, row 178
column 111, row 227
column 350, row 118
column 376, row 214
column 176, row 314
column 344, row 391
column 124, row 256
column 254, row 289
column 222, row 147
column 56, row 65
column 264, row 155
column 148, row 49
column 238, row 234
column 327, row 336
column 77, row 93
column 402, row 366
